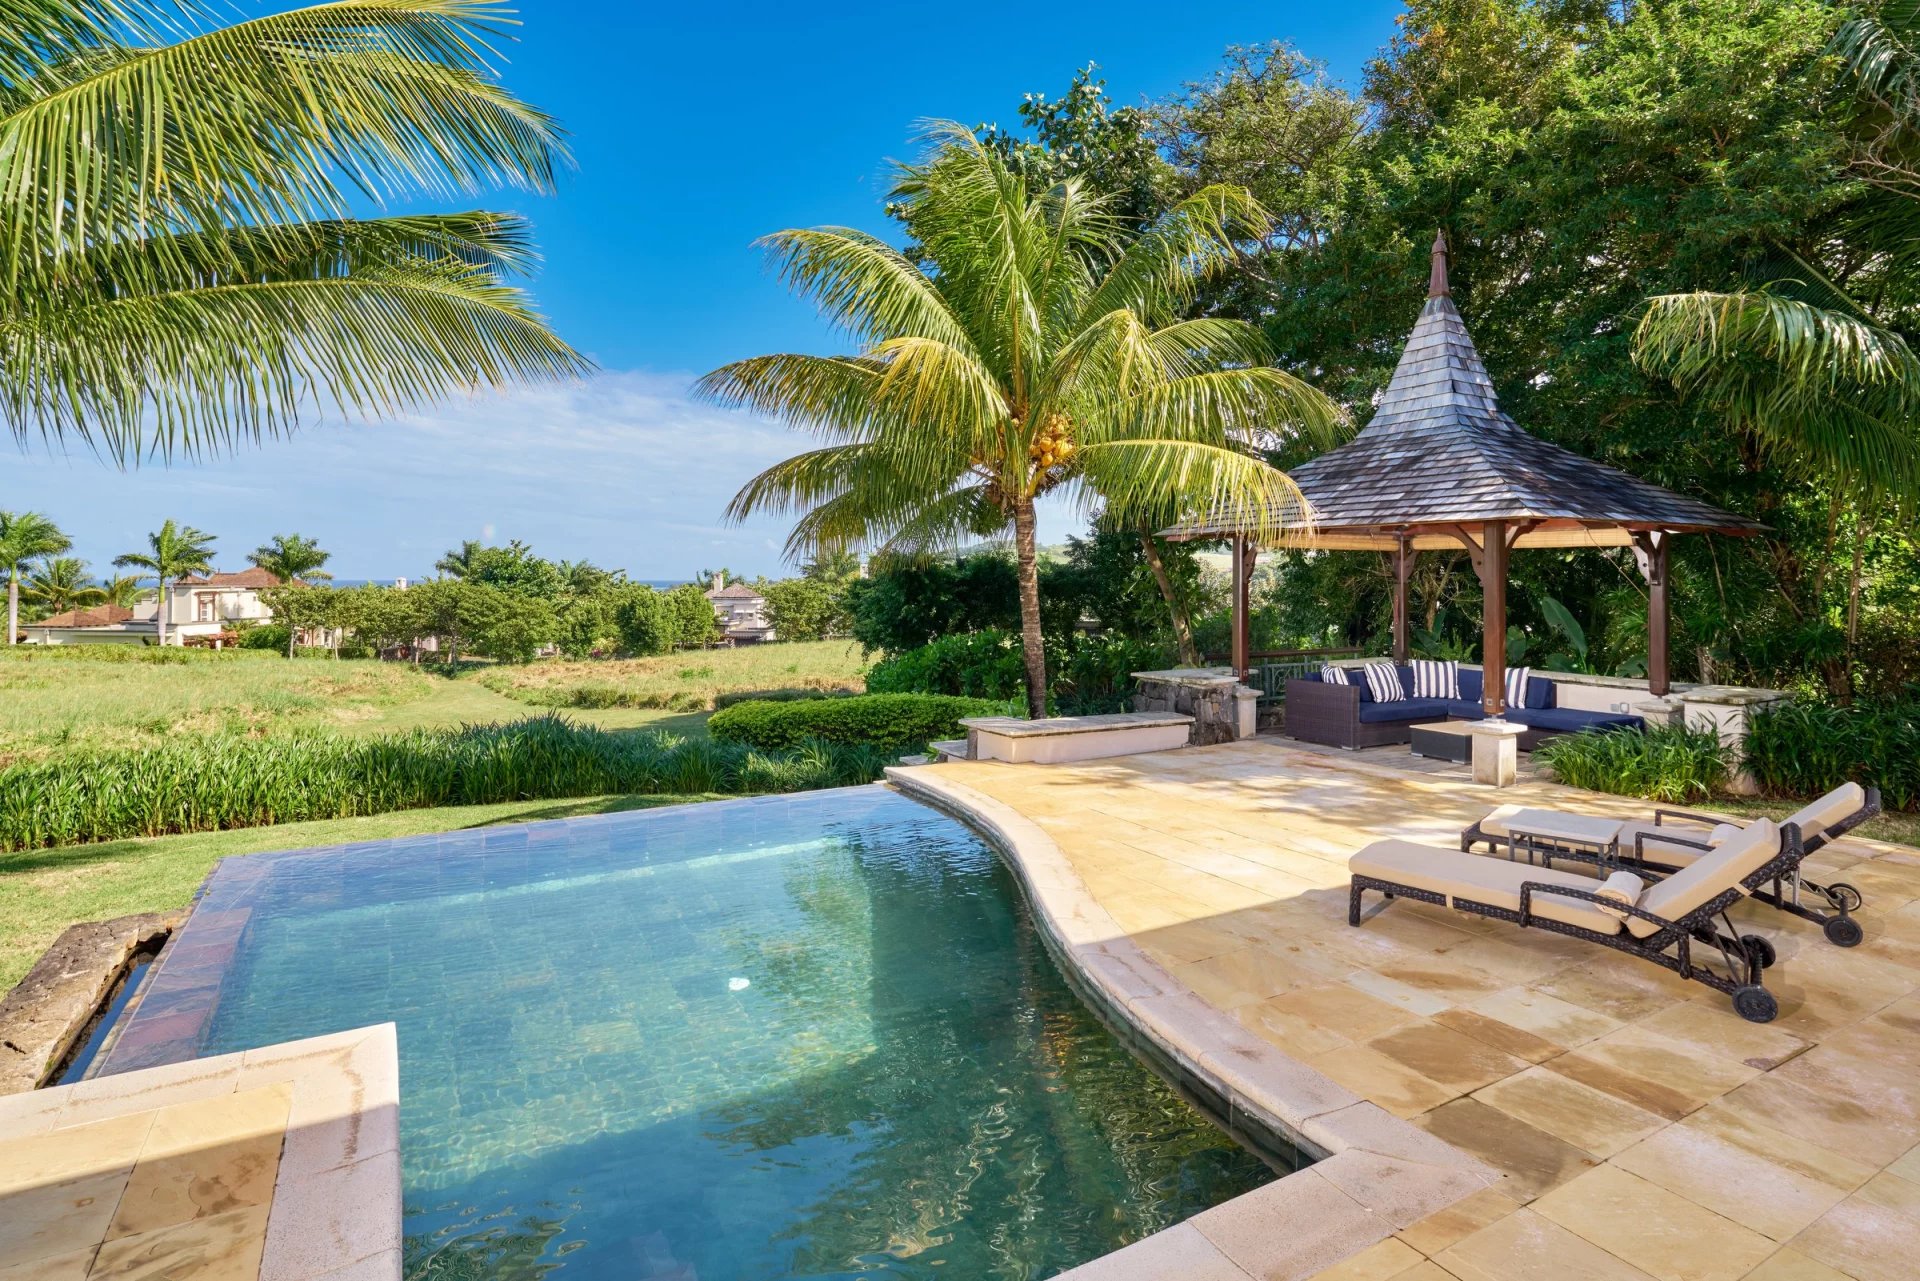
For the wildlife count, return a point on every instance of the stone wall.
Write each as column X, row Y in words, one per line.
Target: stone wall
column 1212, row 698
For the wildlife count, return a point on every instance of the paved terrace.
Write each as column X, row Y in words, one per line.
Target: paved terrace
column 1637, row 1127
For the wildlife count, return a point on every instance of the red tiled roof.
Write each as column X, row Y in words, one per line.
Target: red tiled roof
column 734, row 591
column 101, row 616
column 252, row 576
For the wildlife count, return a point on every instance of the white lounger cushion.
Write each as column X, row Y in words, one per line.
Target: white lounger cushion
column 1664, row 852
column 1817, row 817
column 1493, row 881
column 1710, row 875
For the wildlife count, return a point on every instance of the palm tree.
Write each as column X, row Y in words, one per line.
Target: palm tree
column 123, row 590
column 292, row 558
column 459, row 563
column 172, row 551
column 179, row 269
column 24, row 536
column 61, row 583
column 1033, row 347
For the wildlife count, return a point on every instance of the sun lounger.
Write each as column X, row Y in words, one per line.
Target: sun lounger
column 1660, row 923
column 1675, row 839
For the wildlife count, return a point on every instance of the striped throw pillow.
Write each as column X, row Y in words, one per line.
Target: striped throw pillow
column 1331, row 675
column 1384, row 681
column 1517, row 685
column 1433, row 679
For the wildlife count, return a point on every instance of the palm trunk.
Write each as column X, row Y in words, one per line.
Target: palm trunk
column 1031, row 645
column 160, row 615
column 13, row 603
column 1182, row 627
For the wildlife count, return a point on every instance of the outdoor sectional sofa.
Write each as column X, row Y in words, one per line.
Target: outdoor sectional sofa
column 1347, row 715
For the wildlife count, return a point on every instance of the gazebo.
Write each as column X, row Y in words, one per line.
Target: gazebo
column 1440, row 466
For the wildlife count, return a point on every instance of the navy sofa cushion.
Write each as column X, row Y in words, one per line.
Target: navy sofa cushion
column 1539, row 694
column 1470, row 687
column 1568, row 720
column 1463, row 708
column 1405, row 709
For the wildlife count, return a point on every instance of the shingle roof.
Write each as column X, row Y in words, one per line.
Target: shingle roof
column 253, row 576
column 734, row 591
column 101, row 616
column 1440, row 451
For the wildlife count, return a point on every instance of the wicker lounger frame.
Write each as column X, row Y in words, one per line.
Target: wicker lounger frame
column 1670, row 946
column 1778, row 890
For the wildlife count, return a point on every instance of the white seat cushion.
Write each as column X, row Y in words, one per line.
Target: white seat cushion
column 1710, row 875
column 1665, row 852
column 1815, row 818
column 1493, row 881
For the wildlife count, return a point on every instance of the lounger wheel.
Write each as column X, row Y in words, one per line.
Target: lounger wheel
column 1846, row 898
column 1755, row 1004
column 1759, row 949
column 1844, row 931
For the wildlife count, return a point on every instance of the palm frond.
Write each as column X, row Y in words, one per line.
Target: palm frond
column 266, row 122
column 863, row 285
column 1157, row 481
column 1825, row 388
column 1881, row 49
column 1160, row 271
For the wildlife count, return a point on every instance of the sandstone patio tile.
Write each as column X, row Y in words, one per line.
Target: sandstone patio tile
column 1789, row 1264
column 1309, row 1021
column 1654, row 1229
column 1291, row 1228
column 1381, row 1261
column 1731, row 1181
column 1529, row 1245
column 1908, row 1166
column 1758, row 1135
column 61, row 1267
column 1458, row 1221
column 1532, row 1160
column 1713, row 1028
column 1440, row 975
column 1372, row 1075
column 1415, row 1001
column 206, row 1158
column 100, row 1147
column 1870, row 1235
column 1243, row 977
column 1560, row 1023
column 1445, row 1056
column 1891, row 1086
column 1595, row 1122
column 1501, row 1036
column 1620, row 994
column 1652, row 1071
column 1856, row 1128
column 225, row 1247
column 1401, row 1192
column 59, row 1216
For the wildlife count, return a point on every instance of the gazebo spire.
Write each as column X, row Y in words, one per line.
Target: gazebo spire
column 1437, row 286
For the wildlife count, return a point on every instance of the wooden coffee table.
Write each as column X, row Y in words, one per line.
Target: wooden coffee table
column 1444, row 741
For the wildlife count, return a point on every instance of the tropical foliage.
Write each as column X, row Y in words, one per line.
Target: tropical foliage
column 1030, row 345
column 1806, row 748
column 181, row 267
column 883, row 720
column 61, row 583
column 173, row 551
column 1675, row 763
column 25, row 536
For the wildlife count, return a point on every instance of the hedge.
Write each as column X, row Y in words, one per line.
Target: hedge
column 205, row 784
column 877, row 720
column 1805, row 748
column 1672, row 763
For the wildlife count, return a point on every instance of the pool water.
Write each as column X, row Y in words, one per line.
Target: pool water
column 812, row 1036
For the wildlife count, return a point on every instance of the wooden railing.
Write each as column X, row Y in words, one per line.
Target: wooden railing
column 1270, row 669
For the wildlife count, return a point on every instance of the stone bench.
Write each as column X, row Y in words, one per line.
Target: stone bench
column 1061, row 739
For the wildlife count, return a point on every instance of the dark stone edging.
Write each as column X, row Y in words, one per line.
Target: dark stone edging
column 52, row 1009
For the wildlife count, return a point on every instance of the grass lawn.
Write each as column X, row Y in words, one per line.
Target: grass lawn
column 44, row 891
column 52, row 700
column 687, row 682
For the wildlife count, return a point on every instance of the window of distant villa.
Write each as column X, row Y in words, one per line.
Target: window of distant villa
column 203, row 608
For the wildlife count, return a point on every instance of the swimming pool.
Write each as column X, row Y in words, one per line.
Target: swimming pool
column 808, row 1036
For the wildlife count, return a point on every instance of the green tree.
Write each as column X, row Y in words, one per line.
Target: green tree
column 123, row 590
column 292, row 558
column 802, row 609
column 302, row 608
column 61, row 583
column 642, row 620
column 180, row 272
column 172, row 551
column 1036, row 350
column 508, row 627
column 691, row 616
column 25, row 536
column 513, row 568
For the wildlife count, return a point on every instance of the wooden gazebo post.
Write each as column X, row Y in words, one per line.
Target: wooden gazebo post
column 1243, row 558
column 1650, row 549
column 1402, row 570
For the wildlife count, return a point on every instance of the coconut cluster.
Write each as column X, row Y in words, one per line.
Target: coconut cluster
column 1053, row 443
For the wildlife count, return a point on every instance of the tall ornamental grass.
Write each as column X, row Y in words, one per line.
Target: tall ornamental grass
column 205, row 784
column 1663, row 763
column 1805, row 748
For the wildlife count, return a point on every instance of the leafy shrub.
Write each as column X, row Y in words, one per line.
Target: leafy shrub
column 984, row 664
column 1804, row 748
column 271, row 636
column 907, row 604
column 210, row 783
column 1096, row 673
column 1664, row 763
column 878, row 720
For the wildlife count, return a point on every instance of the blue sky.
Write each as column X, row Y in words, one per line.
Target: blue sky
column 695, row 128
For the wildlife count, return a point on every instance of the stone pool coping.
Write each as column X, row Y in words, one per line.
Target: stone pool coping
column 47, row 1014
column 334, row 1209
column 1376, row 1173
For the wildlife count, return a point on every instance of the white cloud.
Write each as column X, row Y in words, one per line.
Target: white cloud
column 624, row 469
